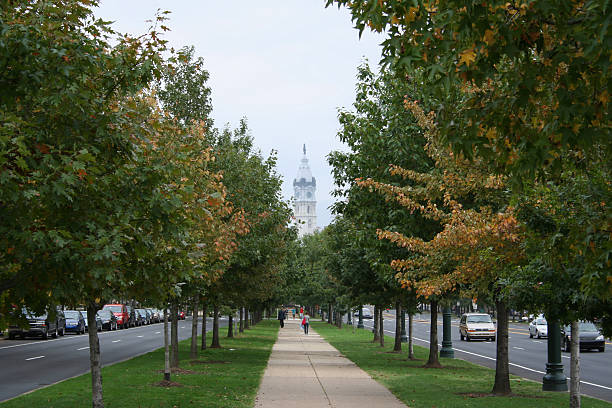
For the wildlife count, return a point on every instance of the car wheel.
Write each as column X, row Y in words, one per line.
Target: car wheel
column 63, row 331
column 492, row 338
column 530, row 334
column 467, row 337
column 460, row 335
column 11, row 336
column 602, row 349
column 45, row 336
column 55, row 333
column 539, row 336
column 567, row 345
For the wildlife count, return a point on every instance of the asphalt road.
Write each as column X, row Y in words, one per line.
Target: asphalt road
column 26, row 365
column 527, row 356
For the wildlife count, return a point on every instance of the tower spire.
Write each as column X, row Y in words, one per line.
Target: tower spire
column 304, row 149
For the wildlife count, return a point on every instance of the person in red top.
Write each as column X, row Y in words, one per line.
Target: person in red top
column 301, row 312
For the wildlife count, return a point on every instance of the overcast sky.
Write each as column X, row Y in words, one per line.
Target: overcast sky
column 287, row 65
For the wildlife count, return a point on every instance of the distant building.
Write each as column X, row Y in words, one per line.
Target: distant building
column 305, row 204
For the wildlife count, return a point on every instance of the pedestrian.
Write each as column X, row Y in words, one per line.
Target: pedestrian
column 301, row 312
column 306, row 322
column 293, row 311
column 281, row 318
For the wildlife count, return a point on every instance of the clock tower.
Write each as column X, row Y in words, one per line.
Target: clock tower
column 305, row 204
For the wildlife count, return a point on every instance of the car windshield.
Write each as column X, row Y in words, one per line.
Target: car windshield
column 587, row 327
column 71, row 314
column 541, row 322
column 365, row 310
column 114, row 309
column 479, row 319
column 103, row 313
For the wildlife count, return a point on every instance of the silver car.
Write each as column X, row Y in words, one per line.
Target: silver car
column 538, row 328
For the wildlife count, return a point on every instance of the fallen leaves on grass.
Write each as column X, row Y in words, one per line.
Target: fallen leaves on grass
column 167, row 384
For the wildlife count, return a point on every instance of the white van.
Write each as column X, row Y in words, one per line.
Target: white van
column 477, row 326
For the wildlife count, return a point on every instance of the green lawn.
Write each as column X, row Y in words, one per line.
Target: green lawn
column 230, row 379
column 458, row 384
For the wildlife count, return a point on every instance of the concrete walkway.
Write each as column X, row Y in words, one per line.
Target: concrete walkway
column 306, row 371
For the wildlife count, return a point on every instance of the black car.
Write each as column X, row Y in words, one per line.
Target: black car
column 590, row 337
column 109, row 320
column 98, row 321
column 75, row 322
column 40, row 325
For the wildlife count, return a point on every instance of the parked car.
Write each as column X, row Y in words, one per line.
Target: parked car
column 132, row 316
column 538, row 327
column 157, row 316
column 98, row 321
column 590, row 337
column 142, row 317
column 40, row 325
column 120, row 312
column 476, row 326
column 74, row 321
column 152, row 314
column 108, row 318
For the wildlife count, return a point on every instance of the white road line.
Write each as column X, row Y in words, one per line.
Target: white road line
column 182, row 327
column 139, row 336
column 565, row 356
column 512, row 364
column 82, row 348
column 34, row 358
column 518, row 348
column 116, row 341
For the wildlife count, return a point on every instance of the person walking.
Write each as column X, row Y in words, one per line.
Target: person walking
column 281, row 317
column 306, row 322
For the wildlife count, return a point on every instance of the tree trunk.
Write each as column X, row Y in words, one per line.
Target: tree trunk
column 410, row 342
column 433, row 360
column 215, row 340
column 204, row 315
column 502, row 369
column 329, row 314
column 194, row 329
column 241, row 321
column 397, row 347
column 174, row 354
column 166, row 347
column 375, row 330
column 230, row 327
column 246, row 318
column 97, row 400
column 574, row 367
column 339, row 319
column 381, row 328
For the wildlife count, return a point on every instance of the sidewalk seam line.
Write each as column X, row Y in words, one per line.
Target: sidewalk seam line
column 316, row 374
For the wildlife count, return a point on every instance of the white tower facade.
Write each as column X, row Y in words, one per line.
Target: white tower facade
column 305, row 204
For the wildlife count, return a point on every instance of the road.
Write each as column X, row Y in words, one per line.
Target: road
column 26, row 365
column 527, row 356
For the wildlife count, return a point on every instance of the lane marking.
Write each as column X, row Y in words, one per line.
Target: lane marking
column 566, row 357
column 139, row 336
column 518, row 348
column 512, row 364
column 82, row 348
column 182, row 327
column 116, row 341
column 34, row 358
column 157, row 332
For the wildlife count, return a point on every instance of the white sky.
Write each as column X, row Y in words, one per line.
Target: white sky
column 287, row 65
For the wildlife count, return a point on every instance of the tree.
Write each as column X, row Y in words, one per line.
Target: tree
column 479, row 244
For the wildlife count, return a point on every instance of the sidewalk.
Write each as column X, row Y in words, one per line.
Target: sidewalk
column 306, row 371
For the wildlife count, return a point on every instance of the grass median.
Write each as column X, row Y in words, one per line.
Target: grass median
column 226, row 377
column 458, row 384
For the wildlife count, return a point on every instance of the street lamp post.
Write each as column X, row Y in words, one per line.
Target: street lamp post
column 447, row 344
column 349, row 320
column 360, row 321
column 403, row 336
column 554, row 380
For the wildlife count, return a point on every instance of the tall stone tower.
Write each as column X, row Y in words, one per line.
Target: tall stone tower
column 305, row 204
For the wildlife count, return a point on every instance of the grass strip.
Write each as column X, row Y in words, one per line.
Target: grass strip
column 458, row 384
column 226, row 377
